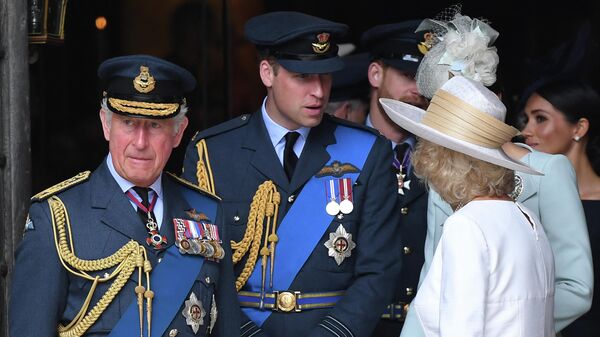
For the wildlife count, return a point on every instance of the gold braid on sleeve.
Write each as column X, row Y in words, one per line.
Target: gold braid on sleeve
column 123, row 263
column 265, row 204
column 203, row 169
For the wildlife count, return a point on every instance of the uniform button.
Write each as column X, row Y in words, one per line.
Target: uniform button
column 407, row 250
column 291, row 198
column 173, row 333
column 244, row 117
column 207, row 279
column 159, row 260
column 340, row 216
column 106, row 275
column 404, row 210
column 409, row 291
column 236, row 218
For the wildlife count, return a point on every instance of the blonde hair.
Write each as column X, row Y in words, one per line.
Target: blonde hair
column 459, row 178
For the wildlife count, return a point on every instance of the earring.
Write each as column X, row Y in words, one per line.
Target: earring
column 576, row 138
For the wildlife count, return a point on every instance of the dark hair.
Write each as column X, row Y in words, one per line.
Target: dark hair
column 577, row 100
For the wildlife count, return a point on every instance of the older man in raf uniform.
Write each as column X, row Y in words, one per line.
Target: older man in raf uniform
column 396, row 52
column 127, row 250
column 309, row 198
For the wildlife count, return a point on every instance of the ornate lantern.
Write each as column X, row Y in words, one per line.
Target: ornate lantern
column 46, row 20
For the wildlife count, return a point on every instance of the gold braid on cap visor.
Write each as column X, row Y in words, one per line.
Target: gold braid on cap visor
column 454, row 117
column 144, row 108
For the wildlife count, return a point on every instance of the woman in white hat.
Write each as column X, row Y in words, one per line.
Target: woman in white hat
column 493, row 271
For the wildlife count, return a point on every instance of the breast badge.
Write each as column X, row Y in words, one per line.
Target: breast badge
column 194, row 313
column 340, row 244
column 337, row 169
column 213, row 314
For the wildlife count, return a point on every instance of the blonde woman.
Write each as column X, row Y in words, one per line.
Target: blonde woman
column 492, row 273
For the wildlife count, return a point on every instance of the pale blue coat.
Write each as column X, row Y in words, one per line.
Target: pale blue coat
column 563, row 219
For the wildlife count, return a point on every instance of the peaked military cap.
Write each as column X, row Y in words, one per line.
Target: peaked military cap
column 301, row 43
column 145, row 86
column 351, row 82
column 397, row 44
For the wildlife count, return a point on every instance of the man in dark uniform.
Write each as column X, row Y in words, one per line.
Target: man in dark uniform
column 350, row 89
column 309, row 199
column 127, row 250
column 396, row 51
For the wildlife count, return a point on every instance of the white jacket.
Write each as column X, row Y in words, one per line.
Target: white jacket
column 492, row 275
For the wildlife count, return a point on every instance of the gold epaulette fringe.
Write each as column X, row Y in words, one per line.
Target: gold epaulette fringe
column 123, row 263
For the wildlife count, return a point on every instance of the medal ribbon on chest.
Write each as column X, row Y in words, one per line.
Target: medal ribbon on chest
column 198, row 238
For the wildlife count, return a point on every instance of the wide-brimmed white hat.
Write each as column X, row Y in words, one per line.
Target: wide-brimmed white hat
column 463, row 116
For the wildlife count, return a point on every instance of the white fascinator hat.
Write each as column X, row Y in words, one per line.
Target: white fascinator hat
column 463, row 116
column 460, row 46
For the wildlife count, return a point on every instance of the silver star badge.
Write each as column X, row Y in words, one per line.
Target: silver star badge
column 194, row 313
column 340, row 244
column 213, row 314
column 402, row 184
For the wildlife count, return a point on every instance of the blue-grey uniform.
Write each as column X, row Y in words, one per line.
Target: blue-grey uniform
column 397, row 45
column 90, row 264
column 316, row 253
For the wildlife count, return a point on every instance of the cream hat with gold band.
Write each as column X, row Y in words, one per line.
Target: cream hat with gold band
column 463, row 116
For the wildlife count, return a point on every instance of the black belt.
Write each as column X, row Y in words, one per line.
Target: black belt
column 396, row 311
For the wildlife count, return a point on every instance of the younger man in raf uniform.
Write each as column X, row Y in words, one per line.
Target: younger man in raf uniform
column 396, row 52
column 309, row 198
column 127, row 250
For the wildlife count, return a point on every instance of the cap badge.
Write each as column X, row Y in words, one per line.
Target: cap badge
column 144, row 82
column 323, row 45
column 425, row 45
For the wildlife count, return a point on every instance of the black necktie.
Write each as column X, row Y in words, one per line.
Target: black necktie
column 289, row 156
column 143, row 193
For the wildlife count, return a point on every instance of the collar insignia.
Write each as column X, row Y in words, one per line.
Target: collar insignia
column 337, row 169
column 322, row 45
column 144, row 82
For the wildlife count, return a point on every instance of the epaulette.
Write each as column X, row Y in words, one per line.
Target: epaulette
column 221, row 128
column 192, row 186
column 62, row 186
column 352, row 124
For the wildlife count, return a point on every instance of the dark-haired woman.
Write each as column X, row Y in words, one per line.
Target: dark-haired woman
column 563, row 117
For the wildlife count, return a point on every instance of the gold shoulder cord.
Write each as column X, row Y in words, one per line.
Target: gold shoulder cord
column 265, row 203
column 129, row 257
column 203, row 171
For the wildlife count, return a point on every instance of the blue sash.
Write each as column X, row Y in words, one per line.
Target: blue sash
column 306, row 222
column 171, row 281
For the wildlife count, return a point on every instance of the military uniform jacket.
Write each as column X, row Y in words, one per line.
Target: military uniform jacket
column 413, row 227
column 242, row 157
column 102, row 220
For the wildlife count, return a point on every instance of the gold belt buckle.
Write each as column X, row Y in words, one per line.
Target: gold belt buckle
column 286, row 301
